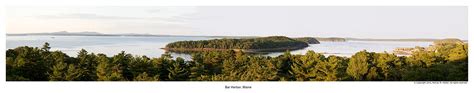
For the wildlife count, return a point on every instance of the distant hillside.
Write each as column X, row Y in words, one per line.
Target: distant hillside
column 326, row 39
column 65, row 33
column 79, row 33
column 309, row 40
column 331, row 39
column 447, row 41
column 85, row 33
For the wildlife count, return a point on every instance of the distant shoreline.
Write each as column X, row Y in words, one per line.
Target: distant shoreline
column 407, row 40
column 324, row 39
column 119, row 35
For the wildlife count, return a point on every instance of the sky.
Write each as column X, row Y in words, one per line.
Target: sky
column 385, row 22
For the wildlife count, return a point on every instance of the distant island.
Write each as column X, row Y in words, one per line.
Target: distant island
column 324, row 39
column 89, row 33
column 251, row 45
column 331, row 39
column 85, row 33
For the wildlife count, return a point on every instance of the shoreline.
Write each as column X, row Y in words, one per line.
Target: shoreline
column 283, row 49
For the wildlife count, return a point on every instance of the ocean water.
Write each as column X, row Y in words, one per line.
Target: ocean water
column 150, row 46
column 349, row 48
column 109, row 45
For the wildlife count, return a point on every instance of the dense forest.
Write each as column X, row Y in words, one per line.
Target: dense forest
column 446, row 63
column 309, row 40
column 276, row 43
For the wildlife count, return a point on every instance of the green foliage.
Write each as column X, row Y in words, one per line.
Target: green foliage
column 458, row 53
column 59, row 68
column 385, row 66
column 103, row 70
column 58, row 72
column 304, row 67
column 359, row 65
column 73, row 73
column 177, row 70
column 438, row 72
column 40, row 64
column 424, row 58
column 330, row 69
column 253, row 43
column 308, row 40
column 85, row 66
column 28, row 63
column 145, row 77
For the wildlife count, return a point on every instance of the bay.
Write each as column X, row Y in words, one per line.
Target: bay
column 150, row 46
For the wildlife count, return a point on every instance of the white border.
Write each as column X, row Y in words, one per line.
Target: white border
column 218, row 87
column 240, row 2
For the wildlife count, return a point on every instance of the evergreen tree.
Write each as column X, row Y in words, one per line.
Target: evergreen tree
column 86, row 66
column 385, row 64
column 116, row 74
column 197, row 68
column 145, row 77
column 46, row 47
column 59, row 69
column 446, row 63
column 328, row 70
column 120, row 63
column 103, row 70
column 359, row 65
column 424, row 59
column 177, row 71
column 73, row 73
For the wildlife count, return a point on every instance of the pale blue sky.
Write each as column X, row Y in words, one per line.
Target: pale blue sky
column 294, row 21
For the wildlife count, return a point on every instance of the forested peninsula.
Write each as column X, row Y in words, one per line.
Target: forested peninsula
column 252, row 45
column 309, row 40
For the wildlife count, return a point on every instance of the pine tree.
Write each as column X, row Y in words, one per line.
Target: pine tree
column 116, row 74
column 385, row 65
column 145, row 77
column 358, row 66
column 86, row 65
column 46, row 47
column 103, row 70
column 197, row 68
column 59, row 67
column 177, row 71
column 373, row 74
column 424, row 59
column 304, row 68
column 270, row 70
column 328, row 70
column 73, row 73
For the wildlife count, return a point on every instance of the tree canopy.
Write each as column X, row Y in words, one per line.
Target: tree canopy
column 41, row 64
column 277, row 43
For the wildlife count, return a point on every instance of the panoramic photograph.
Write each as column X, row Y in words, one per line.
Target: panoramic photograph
column 236, row 43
